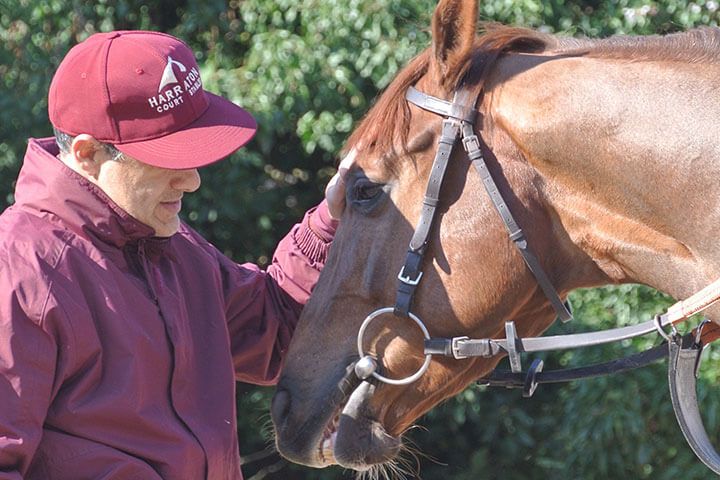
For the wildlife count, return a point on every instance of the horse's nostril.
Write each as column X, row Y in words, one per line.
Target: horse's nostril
column 280, row 405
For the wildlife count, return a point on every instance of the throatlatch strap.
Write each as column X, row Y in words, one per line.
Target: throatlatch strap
column 472, row 145
column 461, row 113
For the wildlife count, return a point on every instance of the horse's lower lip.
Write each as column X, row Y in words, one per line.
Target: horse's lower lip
column 328, row 440
column 360, row 441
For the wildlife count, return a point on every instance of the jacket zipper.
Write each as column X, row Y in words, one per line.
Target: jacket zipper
column 147, row 273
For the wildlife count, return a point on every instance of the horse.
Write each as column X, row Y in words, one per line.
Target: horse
column 606, row 153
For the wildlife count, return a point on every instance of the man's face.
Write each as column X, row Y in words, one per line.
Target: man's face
column 150, row 194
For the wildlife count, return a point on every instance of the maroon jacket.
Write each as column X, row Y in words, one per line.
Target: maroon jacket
column 119, row 352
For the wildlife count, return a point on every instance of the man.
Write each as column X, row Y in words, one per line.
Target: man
column 122, row 331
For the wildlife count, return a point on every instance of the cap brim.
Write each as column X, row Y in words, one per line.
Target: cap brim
column 219, row 131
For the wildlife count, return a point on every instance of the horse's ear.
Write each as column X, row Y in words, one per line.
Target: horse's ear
column 454, row 25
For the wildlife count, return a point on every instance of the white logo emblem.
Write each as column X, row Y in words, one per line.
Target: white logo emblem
column 168, row 75
column 172, row 91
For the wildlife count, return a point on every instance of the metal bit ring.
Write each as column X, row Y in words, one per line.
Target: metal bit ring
column 426, row 334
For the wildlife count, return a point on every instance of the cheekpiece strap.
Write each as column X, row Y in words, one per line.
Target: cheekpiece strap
column 457, row 113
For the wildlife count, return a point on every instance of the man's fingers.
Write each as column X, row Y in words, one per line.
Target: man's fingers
column 335, row 189
column 335, row 194
column 347, row 162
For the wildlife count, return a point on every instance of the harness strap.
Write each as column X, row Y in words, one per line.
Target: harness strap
column 509, row 379
column 411, row 272
column 472, row 146
column 685, row 354
column 457, row 109
column 462, row 347
column 460, row 116
column 697, row 302
column 703, row 335
column 450, row 130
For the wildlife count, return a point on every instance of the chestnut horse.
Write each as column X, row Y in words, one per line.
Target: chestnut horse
column 607, row 154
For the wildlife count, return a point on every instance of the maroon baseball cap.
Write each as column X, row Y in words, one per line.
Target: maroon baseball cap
column 141, row 92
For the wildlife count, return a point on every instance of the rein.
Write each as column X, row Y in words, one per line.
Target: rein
column 684, row 352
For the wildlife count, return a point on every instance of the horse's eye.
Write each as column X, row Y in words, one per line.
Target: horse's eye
column 367, row 191
column 365, row 194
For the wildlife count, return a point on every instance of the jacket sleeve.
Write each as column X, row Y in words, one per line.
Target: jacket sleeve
column 263, row 307
column 27, row 365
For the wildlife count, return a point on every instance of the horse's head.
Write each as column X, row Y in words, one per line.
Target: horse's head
column 474, row 280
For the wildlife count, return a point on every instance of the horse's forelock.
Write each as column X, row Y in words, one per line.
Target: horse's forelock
column 389, row 118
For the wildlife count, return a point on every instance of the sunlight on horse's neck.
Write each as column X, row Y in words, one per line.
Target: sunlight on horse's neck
column 632, row 182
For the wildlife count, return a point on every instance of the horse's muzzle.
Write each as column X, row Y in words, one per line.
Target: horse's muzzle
column 340, row 430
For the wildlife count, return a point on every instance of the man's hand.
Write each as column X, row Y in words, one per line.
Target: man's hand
column 335, row 190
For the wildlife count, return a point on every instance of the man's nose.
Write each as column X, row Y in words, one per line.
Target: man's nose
column 187, row 180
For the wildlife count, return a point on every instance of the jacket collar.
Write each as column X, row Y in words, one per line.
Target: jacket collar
column 48, row 186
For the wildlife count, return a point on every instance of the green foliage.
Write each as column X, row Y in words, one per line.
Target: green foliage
column 308, row 70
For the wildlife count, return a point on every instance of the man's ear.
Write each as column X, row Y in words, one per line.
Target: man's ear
column 88, row 155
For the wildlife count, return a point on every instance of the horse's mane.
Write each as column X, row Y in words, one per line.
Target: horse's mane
column 388, row 120
column 701, row 45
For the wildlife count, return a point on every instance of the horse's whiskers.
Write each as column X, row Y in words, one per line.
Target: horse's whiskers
column 412, row 449
column 267, row 430
column 385, row 471
column 405, row 467
column 409, row 458
column 416, row 426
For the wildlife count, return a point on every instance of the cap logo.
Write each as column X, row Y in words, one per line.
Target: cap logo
column 168, row 75
column 171, row 91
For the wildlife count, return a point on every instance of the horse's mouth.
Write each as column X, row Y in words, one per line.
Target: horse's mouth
column 326, row 448
column 344, row 430
column 352, row 438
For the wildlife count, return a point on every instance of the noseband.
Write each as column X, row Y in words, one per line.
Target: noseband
column 684, row 352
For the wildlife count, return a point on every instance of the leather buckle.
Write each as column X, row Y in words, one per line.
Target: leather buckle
column 471, row 143
column 456, row 347
column 406, row 278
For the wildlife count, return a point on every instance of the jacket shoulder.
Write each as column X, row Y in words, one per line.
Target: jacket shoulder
column 30, row 250
column 24, row 236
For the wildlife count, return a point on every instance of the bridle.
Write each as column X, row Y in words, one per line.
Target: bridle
column 684, row 352
column 460, row 115
column 459, row 121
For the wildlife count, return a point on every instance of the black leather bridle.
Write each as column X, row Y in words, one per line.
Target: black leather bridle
column 684, row 352
column 459, row 120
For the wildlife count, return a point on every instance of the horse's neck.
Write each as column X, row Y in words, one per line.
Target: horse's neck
column 629, row 160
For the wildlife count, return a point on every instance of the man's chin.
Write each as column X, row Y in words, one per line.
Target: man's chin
column 166, row 229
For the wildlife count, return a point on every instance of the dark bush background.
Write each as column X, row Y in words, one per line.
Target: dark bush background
column 308, row 70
